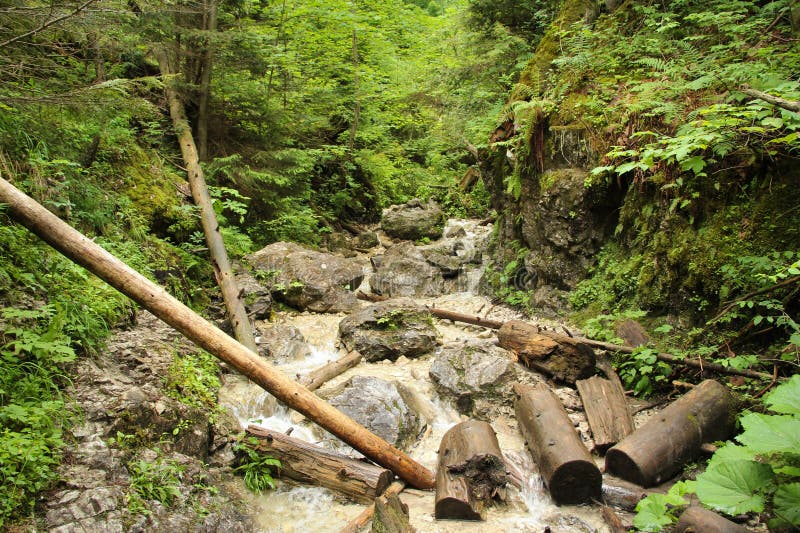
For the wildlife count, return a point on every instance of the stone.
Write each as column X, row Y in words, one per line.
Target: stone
column 388, row 330
column 285, row 342
column 477, row 375
column 413, row 220
column 309, row 280
column 257, row 297
column 404, row 271
column 377, row 405
column 366, row 240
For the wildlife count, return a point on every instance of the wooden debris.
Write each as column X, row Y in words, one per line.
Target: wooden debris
column 696, row 519
column 366, row 515
column 471, row 471
column 607, row 411
column 307, row 463
column 317, row 378
column 461, row 317
column 613, row 520
column 657, row 450
column 369, row 297
column 564, row 358
column 622, row 494
column 564, row 462
column 391, row 516
column 155, row 299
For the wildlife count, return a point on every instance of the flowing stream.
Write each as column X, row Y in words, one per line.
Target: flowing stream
column 293, row 508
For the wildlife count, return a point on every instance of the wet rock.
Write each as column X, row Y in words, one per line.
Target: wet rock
column 477, row 375
column 309, row 280
column 404, row 271
column 339, row 242
column 284, row 342
column 73, row 510
column 387, row 330
column 377, row 405
column 257, row 297
column 413, row 220
column 366, row 240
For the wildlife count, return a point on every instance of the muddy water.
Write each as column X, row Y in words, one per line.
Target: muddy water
column 290, row 508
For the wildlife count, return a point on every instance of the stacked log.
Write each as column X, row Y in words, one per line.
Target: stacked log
column 656, row 451
column 471, row 471
column 564, row 462
column 606, row 410
column 696, row 519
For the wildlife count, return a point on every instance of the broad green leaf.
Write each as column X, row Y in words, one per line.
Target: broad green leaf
column 730, row 452
column 770, row 433
column 735, row 487
column 786, row 397
column 791, row 471
column 696, row 164
column 652, row 513
column 773, row 122
column 787, row 504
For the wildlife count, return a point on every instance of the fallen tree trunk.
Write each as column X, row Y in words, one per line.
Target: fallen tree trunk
column 696, row 519
column 656, row 451
column 234, row 304
column 471, row 471
column 391, row 516
column 155, row 299
column 312, row 465
column 317, row 378
column 564, row 358
column 564, row 462
column 354, row 525
column 606, row 410
column 468, row 319
column 623, row 494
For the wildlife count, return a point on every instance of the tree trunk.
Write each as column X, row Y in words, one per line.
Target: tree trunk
column 306, row 463
column 317, row 378
column 556, row 355
column 354, row 525
column 206, row 60
column 467, row 319
column 155, row 299
column 620, row 493
column 564, row 462
column 696, row 519
column 216, row 247
column 391, row 516
column 471, row 471
column 607, row 411
column 656, row 451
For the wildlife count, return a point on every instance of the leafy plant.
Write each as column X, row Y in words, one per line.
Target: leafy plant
column 193, row 379
column 159, row 480
column 257, row 468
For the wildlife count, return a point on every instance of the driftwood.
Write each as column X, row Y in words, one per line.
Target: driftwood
column 234, row 303
column 607, row 411
column 361, row 520
column 318, row 377
column 310, row 464
column 471, row 471
column 564, row 462
column 391, row 516
column 460, row 317
column 696, row 519
column 155, row 299
column 564, row 358
column 656, row 451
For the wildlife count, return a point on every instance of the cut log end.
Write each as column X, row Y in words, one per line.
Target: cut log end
column 451, row 508
column 618, row 462
column 576, row 482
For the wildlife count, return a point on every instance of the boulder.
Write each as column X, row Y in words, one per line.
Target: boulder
column 377, row 405
column 257, row 297
column 477, row 375
column 284, row 342
column 309, row 280
column 413, row 220
column 404, row 271
column 366, row 240
column 387, row 330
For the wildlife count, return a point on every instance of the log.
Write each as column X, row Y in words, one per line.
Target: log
column 391, row 516
column 613, row 520
column 158, row 301
column 696, row 519
column 318, row 377
column 369, row 297
column 234, row 303
column 564, row 462
column 607, row 411
column 312, row 465
column 361, row 520
column 622, row 494
column 471, row 471
column 468, row 319
column 656, row 451
column 564, row 358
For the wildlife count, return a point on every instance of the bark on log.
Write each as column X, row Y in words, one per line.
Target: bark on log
column 155, row 299
column 564, row 358
column 312, row 465
column 656, row 451
column 471, row 471
column 366, row 515
column 620, row 493
column 613, row 520
column 696, row 519
column 234, row 304
column 468, row 319
column 607, row 411
column 317, row 378
column 391, row 516
column 564, row 462
column 369, row 297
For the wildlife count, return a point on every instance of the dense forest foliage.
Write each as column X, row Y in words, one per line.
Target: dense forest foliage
column 673, row 118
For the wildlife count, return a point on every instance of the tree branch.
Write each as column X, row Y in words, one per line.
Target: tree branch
column 48, row 23
column 790, row 105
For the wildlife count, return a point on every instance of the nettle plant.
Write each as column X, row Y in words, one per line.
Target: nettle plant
column 760, row 472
